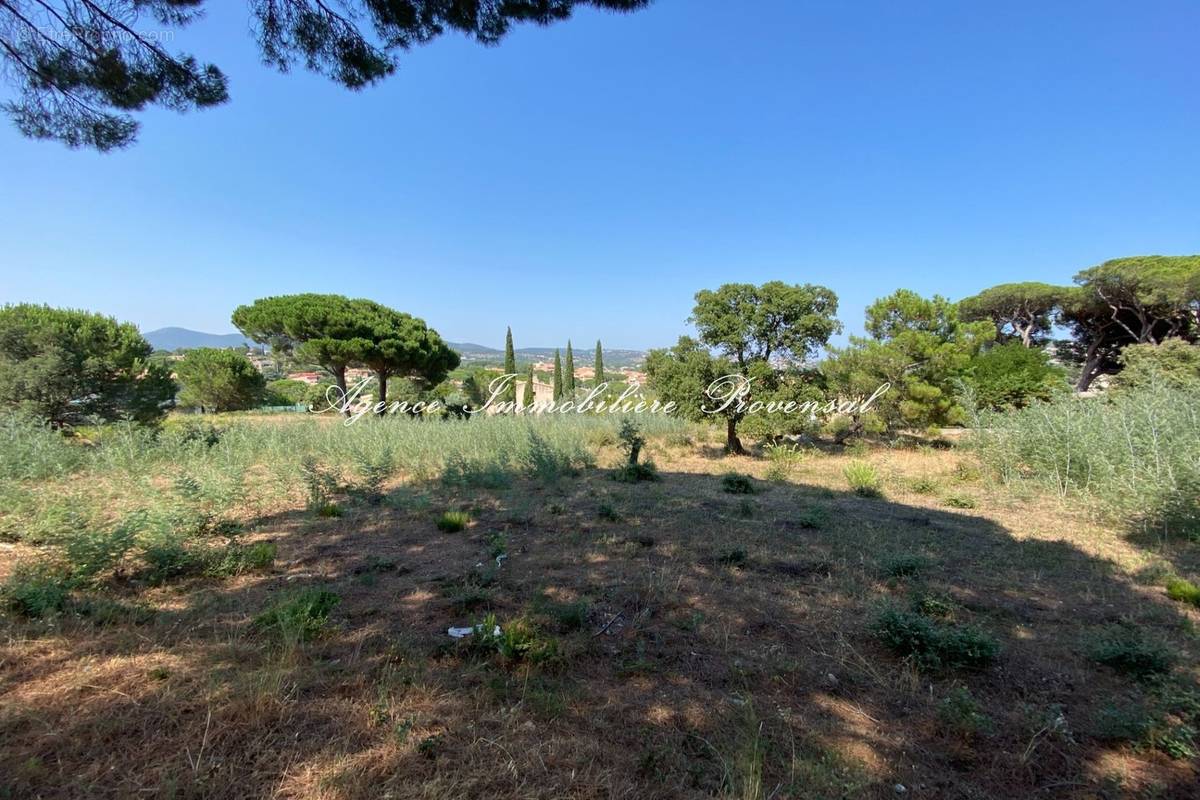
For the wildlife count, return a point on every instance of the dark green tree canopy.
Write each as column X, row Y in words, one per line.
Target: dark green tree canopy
column 79, row 67
column 1151, row 297
column 1023, row 311
column 325, row 329
column 755, row 323
column 70, row 367
column 214, row 379
column 401, row 345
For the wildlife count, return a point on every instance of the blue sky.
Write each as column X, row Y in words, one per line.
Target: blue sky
column 585, row 180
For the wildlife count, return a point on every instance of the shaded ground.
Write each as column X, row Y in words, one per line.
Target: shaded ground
column 686, row 642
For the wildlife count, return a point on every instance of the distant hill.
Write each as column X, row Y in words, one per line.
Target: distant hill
column 182, row 338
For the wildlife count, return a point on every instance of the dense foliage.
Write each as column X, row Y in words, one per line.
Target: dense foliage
column 1012, row 376
column 73, row 367
column 213, row 379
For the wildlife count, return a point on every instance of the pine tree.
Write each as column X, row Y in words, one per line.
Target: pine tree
column 569, row 372
column 558, row 377
column 527, row 395
column 599, row 364
column 510, row 368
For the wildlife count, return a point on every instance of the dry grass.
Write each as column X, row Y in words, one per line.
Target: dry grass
column 703, row 644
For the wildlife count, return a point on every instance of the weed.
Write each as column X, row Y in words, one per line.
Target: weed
column 933, row 645
column 863, row 479
column 923, row 486
column 320, row 484
column 1126, row 649
column 297, row 617
column 959, row 501
column 374, row 470
column 960, row 713
column 813, row 518
column 737, row 483
column 1184, row 591
column 607, row 512
column 452, row 521
column 431, row 746
column 733, row 557
column 635, row 473
column 745, row 509
column 37, row 589
column 904, row 565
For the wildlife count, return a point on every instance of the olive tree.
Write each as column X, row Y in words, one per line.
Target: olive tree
column 758, row 332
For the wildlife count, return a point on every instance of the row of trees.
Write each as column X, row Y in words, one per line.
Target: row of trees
column 1125, row 301
column 929, row 351
column 70, row 367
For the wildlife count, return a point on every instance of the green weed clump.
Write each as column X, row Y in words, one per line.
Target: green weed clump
column 1126, row 649
column 863, row 479
column 737, row 483
column 517, row 640
column 635, row 473
column 934, row 645
column 37, row 590
column 813, row 518
column 1184, row 591
column 452, row 521
column 297, row 617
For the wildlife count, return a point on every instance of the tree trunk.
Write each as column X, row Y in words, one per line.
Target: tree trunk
column 1090, row 365
column 732, row 443
column 1027, row 335
column 339, row 378
column 382, row 377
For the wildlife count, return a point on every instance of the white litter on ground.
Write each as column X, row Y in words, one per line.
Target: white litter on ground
column 462, row 633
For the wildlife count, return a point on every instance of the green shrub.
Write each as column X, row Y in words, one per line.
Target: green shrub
column 493, row 473
column 737, row 483
column 932, row 645
column 1013, row 376
column 923, row 486
column 37, row 589
column 608, row 512
column 297, row 617
column 453, row 521
column 320, row 484
column 167, row 555
column 31, row 450
column 1126, row 649
column 1184, row 591
column 813, row 518
column 863, row 479
column 634, row 473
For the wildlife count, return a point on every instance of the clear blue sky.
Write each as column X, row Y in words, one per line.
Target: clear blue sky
column 587, row 179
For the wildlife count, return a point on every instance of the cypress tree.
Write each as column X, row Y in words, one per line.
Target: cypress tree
column 510, row 367
column 598, row 366
column 527, row 395
column 569, row 372
column 558, row 377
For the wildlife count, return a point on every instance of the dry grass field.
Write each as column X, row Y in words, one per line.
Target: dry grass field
column 695, row 636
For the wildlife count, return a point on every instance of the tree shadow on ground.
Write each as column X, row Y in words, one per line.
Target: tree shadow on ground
column 704, row 644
